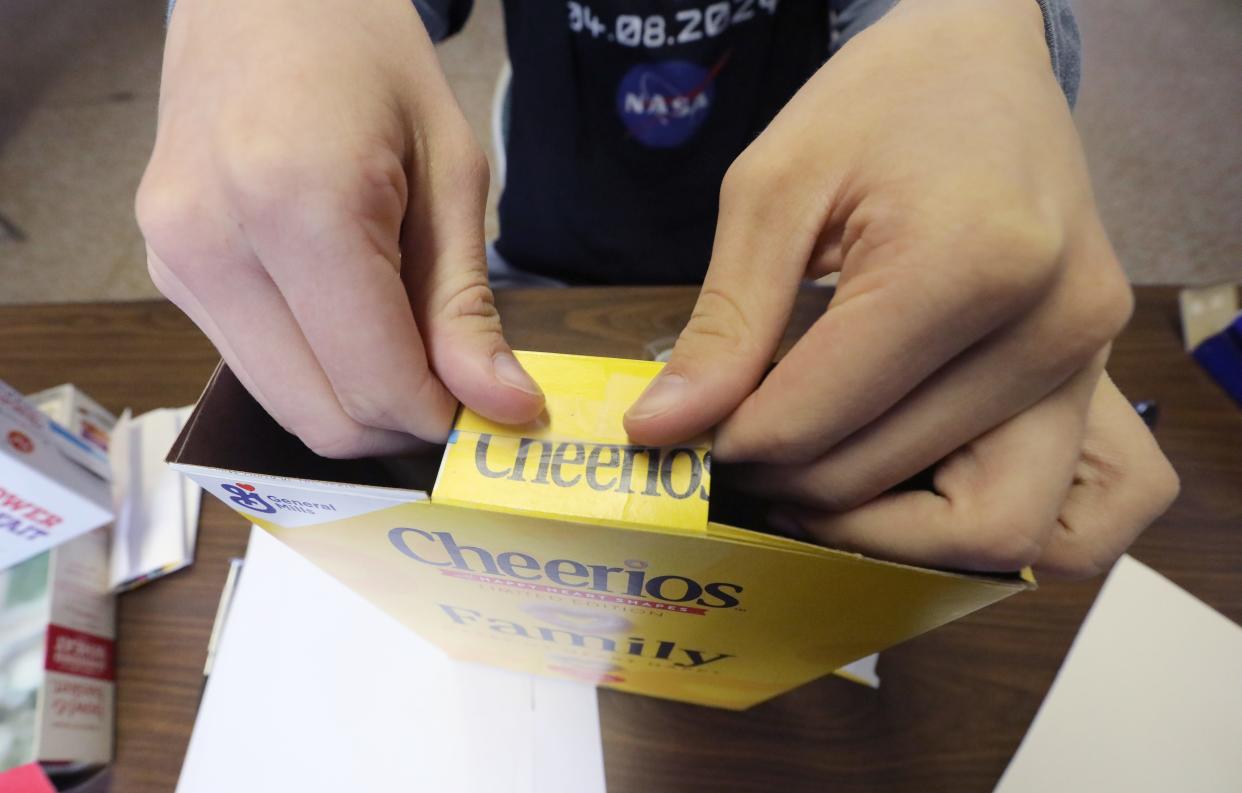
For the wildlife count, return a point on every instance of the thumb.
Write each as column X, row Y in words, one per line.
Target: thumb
column 445, row 271
column 737, row 322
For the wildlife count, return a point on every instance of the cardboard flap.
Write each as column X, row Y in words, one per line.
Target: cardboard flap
column 230, row 433
column 575, row 462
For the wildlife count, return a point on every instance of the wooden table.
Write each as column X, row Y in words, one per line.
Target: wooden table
column 954, row 703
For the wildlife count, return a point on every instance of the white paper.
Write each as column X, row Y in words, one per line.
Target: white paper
column 156, row 507
column 314, row 689
column 1149, row 699
column 863, row 671
column 80, row 426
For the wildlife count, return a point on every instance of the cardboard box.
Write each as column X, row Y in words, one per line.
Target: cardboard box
column 46, row 498
column 559, row 549
column 57, row 628
column 80, row 425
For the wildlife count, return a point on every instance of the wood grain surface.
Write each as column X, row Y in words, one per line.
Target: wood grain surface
column 954, row 703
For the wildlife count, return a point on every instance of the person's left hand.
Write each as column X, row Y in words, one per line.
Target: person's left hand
column 1000, row 500
column 934, row 164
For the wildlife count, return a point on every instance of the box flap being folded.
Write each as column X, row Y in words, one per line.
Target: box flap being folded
column 238, row 453
column 575, row 462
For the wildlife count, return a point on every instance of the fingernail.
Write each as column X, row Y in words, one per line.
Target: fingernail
column 664, row 392
column 511, row 373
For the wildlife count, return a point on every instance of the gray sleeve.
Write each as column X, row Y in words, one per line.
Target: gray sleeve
column 443, row 18
column 1060, row 31
column 850, row 17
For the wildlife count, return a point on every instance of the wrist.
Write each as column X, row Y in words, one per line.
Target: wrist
column 1010, row 30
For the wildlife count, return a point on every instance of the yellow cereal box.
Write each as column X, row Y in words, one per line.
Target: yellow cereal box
column 559, row 548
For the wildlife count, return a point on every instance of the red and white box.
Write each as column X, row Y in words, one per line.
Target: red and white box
column 46, row 498
column 57, row 656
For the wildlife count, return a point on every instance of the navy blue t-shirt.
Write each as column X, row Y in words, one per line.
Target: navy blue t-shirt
column 625, row 114
column 624, row 117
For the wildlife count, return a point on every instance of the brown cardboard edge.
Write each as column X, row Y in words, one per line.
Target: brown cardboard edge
column 178, row 448
column 1018, row 581
column 230, row 433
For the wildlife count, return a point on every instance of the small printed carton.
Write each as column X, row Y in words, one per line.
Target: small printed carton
column 47, row 495
column 559, row 548
column 57, row 628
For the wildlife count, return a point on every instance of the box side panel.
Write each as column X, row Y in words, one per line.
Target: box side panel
column 292, row 503
column 26, row 439
column 38, row 513
column 76, row 719
column 25, row 602
column 76, row 704
column 677, row 616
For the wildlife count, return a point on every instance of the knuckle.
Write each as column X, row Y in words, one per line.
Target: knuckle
column 783, row 444
column 832, row 485
column 471, row 298
column 822, row 485
column 473, row 167
column 1165, row 486
column 1096, row 316
column 746, row 176
column 1077, row 566
column 368, row 411
column 455, row 158
column 372, row 180
column 267, row 176
column 1019, row 258
column 165, row 211
column 334, row 441
column 834, row 498
column 261, row 171
column 737, row 176
column 1002, row 544
column 1107, row 308
column 180, row 231
column 719, row 320
column 1157, row 486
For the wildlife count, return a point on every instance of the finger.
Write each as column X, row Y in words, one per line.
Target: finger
column 758, row 258
column 901, row 312
column 246, row 319
column 1122, row 484
column 975, row 392
column 325, row 228
column 444, row 268
column 995, row 501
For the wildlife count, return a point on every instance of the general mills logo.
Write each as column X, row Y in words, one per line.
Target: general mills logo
column 245, row 497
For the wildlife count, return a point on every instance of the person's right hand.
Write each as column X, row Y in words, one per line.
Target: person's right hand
column 314, row 202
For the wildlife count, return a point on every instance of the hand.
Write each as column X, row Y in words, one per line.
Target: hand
column 934, row 164
column 1001, row 493
column 314, row 202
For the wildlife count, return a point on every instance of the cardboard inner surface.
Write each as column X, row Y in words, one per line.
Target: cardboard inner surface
column 265, row 448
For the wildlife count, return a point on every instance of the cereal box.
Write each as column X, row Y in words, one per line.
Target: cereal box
column 559, row 548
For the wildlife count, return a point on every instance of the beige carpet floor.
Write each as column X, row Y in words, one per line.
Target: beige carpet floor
column 1160, row 113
